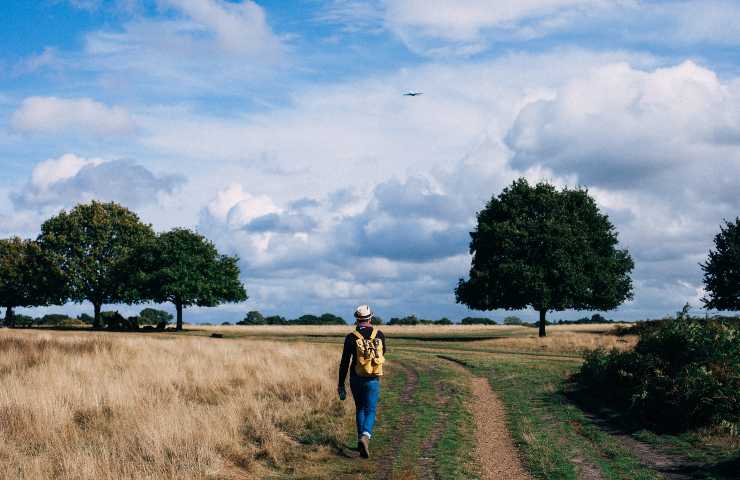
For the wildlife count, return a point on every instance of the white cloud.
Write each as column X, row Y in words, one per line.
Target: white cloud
column 442, row 28
column 204, row 46
column 69, row 179
column 78, row 115
column 239, row 27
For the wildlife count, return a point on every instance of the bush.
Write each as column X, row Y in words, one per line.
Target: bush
column 477, row 321
column 54, row 319
column 513, row 320
column 253, row 318
column 152, row 316
column 443, row 321
column 86, row 319
column 683, row 373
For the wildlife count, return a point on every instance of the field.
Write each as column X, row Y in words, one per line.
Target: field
column 260, row 402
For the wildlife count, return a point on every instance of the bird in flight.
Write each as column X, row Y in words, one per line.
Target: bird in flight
column 412, row 94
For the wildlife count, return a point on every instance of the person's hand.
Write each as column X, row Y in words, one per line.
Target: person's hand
column 342, row 392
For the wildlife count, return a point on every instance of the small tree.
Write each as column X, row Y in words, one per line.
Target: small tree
column 513, row 320
column 546, row 249
column 28, row 278
column 152, row 316
column 185, row 268
column 95, row 247
column 722, row 269
column 253, row 318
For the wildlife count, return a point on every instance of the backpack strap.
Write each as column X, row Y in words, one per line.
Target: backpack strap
column 358, row 334
column 373, row 334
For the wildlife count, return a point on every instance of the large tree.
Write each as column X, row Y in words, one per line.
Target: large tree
column 722, row 269
column 96, row 246
column 27, row 277
column 549, row 249
column 186, row 269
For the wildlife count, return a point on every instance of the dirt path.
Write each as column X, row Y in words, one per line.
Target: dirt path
column 385, row 463
column 497, row 455
column 672, row 467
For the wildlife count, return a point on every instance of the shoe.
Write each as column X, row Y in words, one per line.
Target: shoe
column 364, row 446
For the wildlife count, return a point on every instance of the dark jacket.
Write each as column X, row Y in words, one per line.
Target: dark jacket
column 348, row 353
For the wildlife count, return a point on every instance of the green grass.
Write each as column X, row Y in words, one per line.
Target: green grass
column 554, row 435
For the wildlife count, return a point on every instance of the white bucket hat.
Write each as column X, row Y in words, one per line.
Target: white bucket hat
column 363, row 313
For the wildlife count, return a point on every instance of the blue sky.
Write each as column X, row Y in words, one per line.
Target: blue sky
column 278, row 129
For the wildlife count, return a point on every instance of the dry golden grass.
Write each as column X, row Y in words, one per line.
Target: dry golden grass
column 390, row 330
column 563, row 342
column 97, row 406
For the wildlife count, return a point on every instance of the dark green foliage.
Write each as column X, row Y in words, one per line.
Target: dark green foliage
column 54, row 319
column 253, row 318
column 28, row 277
column 684, row 372
column 408, row 320
column 331, row 319
column 477, row 321
column 513, row 320
column 85, row 318
column 593, row 319
column 535, row 246
column 443, row 321
column 152, row 316
column 20, row 320
column 722, row 270
column 95, row 245
column 275, row 320
column 184, row 268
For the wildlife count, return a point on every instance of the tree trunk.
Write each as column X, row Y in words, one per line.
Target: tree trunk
column 543, row 313
column 178, row 306
column 97, row 320
column 9, row 317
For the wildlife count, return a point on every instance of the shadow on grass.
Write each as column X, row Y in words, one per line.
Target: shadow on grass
column 619, row 422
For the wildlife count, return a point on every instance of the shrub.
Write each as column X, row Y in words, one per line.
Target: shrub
column 513, row 320
column 683, row 373
column 477, row 321
column 443, row 321
column 54, row 319
column 152, row 316
column 253, row 318
column 86, row 319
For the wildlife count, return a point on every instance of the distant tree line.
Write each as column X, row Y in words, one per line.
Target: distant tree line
column 102, row 253
column 256, row 318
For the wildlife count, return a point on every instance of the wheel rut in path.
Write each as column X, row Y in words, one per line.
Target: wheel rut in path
column 672, row 467
column 385, row 464
column 494, row 447
column 427, row 468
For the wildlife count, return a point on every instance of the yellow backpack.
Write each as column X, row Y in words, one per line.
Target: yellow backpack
column 369, row 355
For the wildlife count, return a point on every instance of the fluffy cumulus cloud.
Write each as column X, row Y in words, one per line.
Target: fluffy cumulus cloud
column 52, row 115
column 660, row 149
column 69, row 179
column 384, row 211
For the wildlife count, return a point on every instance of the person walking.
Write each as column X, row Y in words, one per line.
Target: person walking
column 363, row 356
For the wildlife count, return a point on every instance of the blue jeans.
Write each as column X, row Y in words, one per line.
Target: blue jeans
column 365, row 391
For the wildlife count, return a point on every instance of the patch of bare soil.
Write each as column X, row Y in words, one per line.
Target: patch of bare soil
column 385, row 463
column 497, row 455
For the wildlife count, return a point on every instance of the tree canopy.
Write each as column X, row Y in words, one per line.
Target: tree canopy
column 722, row 269
column 184, row 268
column 95, row 245
column 27, row 277
column 536, row 246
